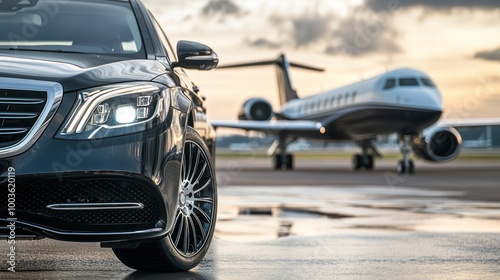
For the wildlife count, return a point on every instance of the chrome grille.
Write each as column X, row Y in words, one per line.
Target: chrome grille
column 19, row 111
column 26, row 107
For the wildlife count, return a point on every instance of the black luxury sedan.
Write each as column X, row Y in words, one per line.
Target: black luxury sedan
column 103, row 138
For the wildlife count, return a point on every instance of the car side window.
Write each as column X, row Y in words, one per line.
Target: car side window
column 166, row 43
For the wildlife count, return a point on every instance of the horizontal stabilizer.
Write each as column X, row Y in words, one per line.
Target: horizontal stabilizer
column 306, row 67
column 271, row 62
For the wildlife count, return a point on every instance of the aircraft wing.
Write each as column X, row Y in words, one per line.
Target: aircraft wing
column 273, row 127
column 471, row 122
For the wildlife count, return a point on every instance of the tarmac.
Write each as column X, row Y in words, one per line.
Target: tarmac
column 322, row 221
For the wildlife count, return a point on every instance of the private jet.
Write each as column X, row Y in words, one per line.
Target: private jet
column 403, row 101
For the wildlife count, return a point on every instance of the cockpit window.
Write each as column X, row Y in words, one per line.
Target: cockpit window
column 390, row 83
column 408, row 82
column 427, row 82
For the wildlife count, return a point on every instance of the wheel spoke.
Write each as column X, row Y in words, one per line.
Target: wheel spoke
column 195, row 168
column 203, row 199
column 186, row 235
column 179, row 231
column 200, row 225
column 205, row 215
column 201, row 173
column 204, row 186
column 194, row 233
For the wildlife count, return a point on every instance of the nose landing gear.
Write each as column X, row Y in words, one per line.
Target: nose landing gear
column 405, row 165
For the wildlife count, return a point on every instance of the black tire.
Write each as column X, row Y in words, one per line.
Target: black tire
column 188, row 242
column 369, row 162
column 411, row 167
column 401, row 167
column 278, row 162
column 357, row 162
column 289, row 162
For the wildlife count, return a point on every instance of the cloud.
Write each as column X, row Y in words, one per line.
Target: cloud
column 361, row 32
column 489, row 55
column 222, row 7
column 263, row 42
column 307, row 30
column 364, row 33
column 295, row 31
column 384, row 5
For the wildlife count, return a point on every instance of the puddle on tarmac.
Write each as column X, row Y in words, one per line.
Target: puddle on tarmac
column 260, row 213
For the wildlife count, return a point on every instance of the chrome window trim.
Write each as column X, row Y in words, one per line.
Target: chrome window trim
column 54, row 96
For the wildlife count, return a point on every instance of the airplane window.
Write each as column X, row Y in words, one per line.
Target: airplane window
column 339, row 100
column 390, row 83
column 354, row 96
column 408, row 82
column 347, row 98
column 427, row 82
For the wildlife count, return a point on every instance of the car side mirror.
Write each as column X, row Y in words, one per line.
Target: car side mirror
column 194, row 55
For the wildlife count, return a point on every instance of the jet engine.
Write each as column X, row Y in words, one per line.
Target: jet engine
column 438, row 144
column 256, row 109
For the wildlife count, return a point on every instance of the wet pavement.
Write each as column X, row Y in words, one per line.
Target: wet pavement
column 365, row 254
column 443, row 223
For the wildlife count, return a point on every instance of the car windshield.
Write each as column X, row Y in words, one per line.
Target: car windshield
column 96, row 27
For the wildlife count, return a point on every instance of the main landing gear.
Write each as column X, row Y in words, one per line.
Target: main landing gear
column 366, row 159
column 362, row 161
column 282, row 160
column 406, row 165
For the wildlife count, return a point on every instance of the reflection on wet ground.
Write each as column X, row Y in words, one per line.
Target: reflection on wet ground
column 260, row 213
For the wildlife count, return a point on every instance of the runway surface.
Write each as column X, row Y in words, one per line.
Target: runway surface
column 322, row 221
column 477, row 180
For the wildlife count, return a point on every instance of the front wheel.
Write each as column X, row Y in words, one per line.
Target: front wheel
column 189, row 239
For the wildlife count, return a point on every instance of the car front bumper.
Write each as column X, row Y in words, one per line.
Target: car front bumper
column 109, row 190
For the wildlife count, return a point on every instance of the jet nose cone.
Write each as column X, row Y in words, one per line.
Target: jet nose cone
column 435, row 101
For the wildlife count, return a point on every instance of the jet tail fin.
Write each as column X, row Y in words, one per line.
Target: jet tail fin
column 285, row 87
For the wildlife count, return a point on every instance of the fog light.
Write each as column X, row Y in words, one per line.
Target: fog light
column 125, row 114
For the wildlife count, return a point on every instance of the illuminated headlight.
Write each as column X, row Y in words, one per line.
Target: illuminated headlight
column 116, row 110
column 125, row 114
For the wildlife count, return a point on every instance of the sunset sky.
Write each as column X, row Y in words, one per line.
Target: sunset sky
column 457, row 42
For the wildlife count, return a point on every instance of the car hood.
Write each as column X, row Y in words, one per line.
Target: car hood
column 77, row 71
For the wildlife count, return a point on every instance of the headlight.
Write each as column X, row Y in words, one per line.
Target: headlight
column 116, row 110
